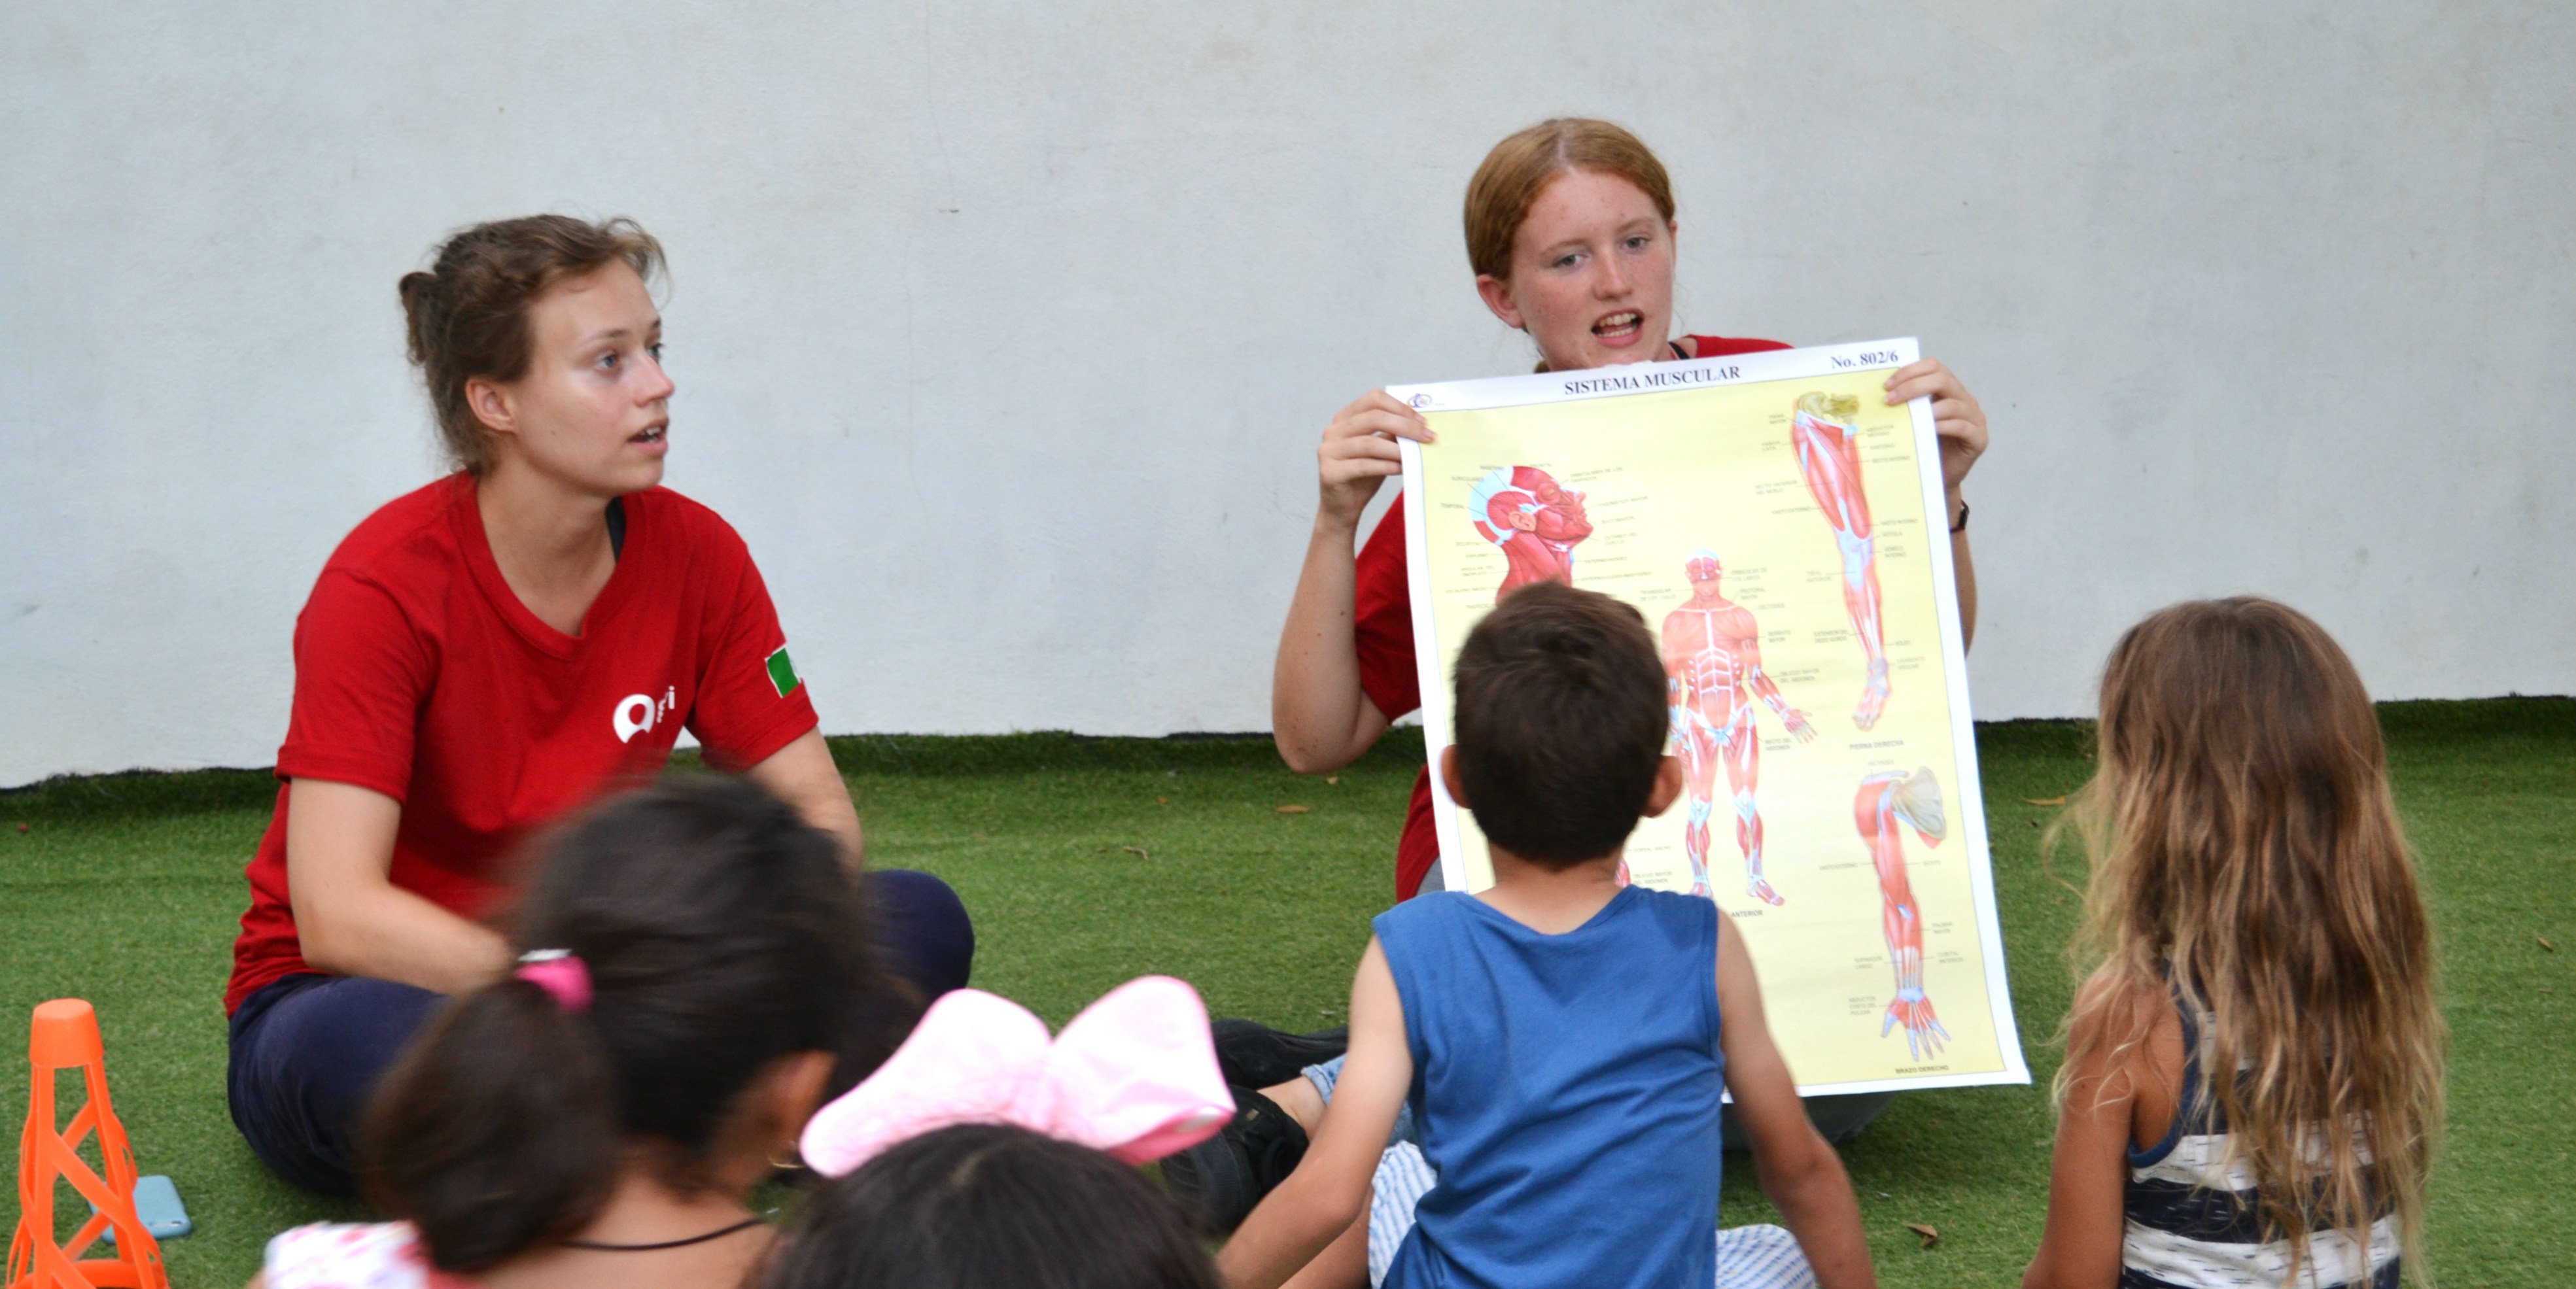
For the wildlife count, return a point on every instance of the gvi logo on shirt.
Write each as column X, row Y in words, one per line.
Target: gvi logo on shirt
column 637, row 713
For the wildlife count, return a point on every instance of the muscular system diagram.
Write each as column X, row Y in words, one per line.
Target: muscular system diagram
column 1713, row 672
column 1534, row 521
column 1914, row 800
column 1829, row 458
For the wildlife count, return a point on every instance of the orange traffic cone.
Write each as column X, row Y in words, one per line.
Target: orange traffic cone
column 66, row 1037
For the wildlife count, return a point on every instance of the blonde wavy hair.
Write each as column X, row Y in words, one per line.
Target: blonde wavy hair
column 2246, row 856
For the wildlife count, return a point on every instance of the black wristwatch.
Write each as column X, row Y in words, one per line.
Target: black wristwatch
column 1961, row 525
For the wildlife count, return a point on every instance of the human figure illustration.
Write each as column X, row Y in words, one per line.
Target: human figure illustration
column 1713, row 672
column 1829, row 459
column 1534, row 520
column 1885, row 800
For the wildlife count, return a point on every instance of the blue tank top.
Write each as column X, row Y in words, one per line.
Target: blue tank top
column 1566, row 1088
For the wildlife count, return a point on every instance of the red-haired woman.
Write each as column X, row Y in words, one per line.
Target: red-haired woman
column 492, row 650
column 1570, row 231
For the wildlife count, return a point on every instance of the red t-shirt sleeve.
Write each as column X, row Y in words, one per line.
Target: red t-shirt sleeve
column 1382, row 621
column 740, row 716
column 362, row 670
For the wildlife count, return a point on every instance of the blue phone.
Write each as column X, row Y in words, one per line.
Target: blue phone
column 156, row 1203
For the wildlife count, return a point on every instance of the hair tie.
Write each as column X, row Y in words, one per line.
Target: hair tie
column 560, row 974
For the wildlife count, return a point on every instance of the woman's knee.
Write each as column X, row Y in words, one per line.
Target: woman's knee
column 301, row 1071
column 922, row 929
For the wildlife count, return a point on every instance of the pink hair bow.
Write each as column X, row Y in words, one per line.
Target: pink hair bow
column 1134, row 1075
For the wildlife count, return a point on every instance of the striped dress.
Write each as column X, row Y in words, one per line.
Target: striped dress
column 2193, row 1225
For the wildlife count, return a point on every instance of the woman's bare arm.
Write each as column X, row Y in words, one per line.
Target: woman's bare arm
column 1967, row 578
column 1319, row 715
column 351, row 918
column 1959, row 421
column 803, row 775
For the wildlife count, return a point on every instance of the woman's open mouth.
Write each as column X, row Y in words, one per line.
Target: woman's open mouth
column 654, row 438
column 1619, row 330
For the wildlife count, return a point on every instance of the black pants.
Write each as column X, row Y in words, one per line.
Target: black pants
column 307, row 1050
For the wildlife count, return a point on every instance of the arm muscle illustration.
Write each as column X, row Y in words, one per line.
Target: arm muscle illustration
column 1885, row 801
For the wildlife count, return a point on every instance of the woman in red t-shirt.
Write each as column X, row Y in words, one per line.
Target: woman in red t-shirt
column 495, row 649
column 1570, row 231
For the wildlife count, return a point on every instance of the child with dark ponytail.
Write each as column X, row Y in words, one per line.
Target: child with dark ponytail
column 692, row 964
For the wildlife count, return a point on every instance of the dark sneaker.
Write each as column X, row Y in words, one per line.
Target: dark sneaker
column 1256, row 1056
column 1222, row 1178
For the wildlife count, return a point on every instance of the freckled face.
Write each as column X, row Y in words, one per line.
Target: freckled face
column 593, row 408
column 1592, row 274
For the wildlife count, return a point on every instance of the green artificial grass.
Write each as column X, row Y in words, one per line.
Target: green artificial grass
column 1088, row 861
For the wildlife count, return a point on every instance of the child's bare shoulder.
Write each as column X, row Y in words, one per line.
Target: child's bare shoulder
column 2124, row 1028
column 2118, row 1002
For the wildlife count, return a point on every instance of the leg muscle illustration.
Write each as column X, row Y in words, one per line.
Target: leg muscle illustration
column 1914, row 800
column 1829, row 459
column 1533, row 520
column 1713, row 672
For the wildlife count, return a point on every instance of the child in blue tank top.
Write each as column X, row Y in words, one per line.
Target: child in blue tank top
column 1561, row 1040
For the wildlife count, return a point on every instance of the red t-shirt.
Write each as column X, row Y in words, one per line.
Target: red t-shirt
column 420, row 675
column 1383, row 631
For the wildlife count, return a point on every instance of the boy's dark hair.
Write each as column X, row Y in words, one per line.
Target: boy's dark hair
column 984, row 1206
column 720, row 933
column 1561, row 723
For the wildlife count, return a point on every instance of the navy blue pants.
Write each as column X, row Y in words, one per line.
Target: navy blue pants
column 307, row 1050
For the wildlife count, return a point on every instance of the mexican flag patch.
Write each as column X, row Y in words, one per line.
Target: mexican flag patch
column 782, row 673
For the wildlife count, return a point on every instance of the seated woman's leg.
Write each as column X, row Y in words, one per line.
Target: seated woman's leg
column 926, row 944
column 1307, row 1095
column 306, row 1053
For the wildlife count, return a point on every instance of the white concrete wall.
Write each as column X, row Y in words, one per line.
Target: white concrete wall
column 1004, row 331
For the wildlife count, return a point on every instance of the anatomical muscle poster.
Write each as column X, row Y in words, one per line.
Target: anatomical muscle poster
column 1782, row 530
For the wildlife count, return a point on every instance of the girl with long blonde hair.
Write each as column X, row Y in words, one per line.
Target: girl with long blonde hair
column 2253, row 1078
